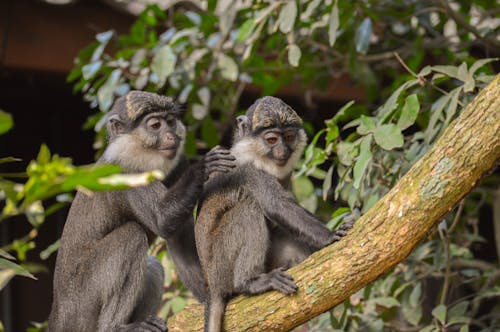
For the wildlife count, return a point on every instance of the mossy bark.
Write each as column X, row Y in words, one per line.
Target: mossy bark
column 385, row 235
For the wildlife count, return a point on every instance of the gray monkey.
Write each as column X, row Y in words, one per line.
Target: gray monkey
column 104, row 280
column 249, row 228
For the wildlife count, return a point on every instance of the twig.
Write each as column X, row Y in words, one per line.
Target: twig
column 422, row 79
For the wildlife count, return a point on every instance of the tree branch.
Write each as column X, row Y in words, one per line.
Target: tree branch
column 385, row 235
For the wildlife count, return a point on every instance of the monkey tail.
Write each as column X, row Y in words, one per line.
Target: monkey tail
column 214, row 313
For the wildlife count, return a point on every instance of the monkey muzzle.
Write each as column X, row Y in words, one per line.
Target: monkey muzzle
column 169, row 145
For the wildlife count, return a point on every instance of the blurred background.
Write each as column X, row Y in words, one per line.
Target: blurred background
column 330, row 53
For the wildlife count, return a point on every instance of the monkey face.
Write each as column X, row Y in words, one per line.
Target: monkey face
column 280, row 144
column 162, row 131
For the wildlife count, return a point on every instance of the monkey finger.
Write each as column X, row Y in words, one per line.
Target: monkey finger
column 213, row 169
column 219, row 156
column 222, row 163
column 156, row 322
column 284, row 287
column 340, row 232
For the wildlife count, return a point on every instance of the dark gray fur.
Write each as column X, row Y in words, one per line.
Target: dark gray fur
column 249, row 228
column 104, row 280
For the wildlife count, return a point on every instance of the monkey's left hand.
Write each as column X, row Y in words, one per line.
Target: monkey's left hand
column 218, row 160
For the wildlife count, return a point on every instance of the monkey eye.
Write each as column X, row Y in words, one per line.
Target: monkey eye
column 170, row 121
column 154, row 124
column 289, row 137
column 271, row 140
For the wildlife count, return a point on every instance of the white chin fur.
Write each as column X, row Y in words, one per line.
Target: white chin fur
column 133, row 157
column 245, row 152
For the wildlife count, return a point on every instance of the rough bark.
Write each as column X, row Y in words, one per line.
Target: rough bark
column 385, row 235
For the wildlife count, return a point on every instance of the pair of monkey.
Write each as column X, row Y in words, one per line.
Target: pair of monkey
column 249, row 228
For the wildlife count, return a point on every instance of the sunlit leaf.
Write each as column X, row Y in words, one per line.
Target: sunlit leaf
column 409, row 112
column 50, row 250
column 294, row 55
column 287, row 16
column 439, row 313
column 245, row 30
column 309, row 9
column 387, row 302
column 227, row 66
column 364, row 158
column 362, row 37
column 9, row 269
column 415, row 295
column 388, row 136
column 163, row 63
column 89, row 70
column 177, row 303
column 6, row 122
column 327, row 183
column 367, row 125
column 333, row 25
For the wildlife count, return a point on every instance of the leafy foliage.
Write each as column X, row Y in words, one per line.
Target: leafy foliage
column 419, row 63
column 208, row 55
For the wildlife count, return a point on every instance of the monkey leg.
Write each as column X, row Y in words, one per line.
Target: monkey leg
column 286, row 251
column 152, row 291
column 126, row 278
column 249, row 271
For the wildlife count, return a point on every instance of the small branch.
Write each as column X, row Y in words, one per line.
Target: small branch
column 422, row 79
column 460, row 20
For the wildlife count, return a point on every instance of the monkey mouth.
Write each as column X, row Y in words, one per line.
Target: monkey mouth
column 169, row 152
column 281, row 162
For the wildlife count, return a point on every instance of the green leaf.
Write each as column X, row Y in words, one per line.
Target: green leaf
column 287, row 16
column 9, row 160
column 89, row 70
column 409, row 112
column 177, row 303
column 50, row 250
column 480, row 63
column 345, row 153
column 391, row 103
column 228, row 68
column 388, row 136
column 362, row 37
column 310, row 9
column 464, row 328
column 43, row 155
column 387, row 302
column 333, row 25
column 9, row 269
column 364, row 158
column 439, row 313
column 105, row 94
column 6, row 122
column 163, row 64
column 415, row 295
column 6, row 255
column 367, row 125
column 458, row 309
column 430, row 328
column 294, row 54
column 327, row 183
column 245, row 30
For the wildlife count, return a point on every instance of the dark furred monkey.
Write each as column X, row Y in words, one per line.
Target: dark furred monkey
column 249, row 228
column 104, row 280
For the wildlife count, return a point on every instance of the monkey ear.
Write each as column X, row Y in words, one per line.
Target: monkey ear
column 115, row 126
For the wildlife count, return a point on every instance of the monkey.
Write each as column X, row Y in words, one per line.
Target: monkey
column 249, row 228
column 104, row 280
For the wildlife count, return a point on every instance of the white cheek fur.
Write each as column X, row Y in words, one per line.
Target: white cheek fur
column 128, row 151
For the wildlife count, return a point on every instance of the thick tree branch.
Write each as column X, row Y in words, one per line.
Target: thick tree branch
column 385, row 235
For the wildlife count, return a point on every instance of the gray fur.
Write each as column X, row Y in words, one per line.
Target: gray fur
column 104, row 280
column 249, row 227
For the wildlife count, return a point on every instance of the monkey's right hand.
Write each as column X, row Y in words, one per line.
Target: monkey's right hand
column 218, row 160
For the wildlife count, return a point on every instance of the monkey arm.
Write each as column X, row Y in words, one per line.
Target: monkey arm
column 164, row 209
column 280, row 206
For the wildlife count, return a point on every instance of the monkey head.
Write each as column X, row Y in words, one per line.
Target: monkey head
column 271, row 136
column 145, row 132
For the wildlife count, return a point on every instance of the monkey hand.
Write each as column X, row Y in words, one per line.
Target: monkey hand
column 218, row 160
column 345, row 226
